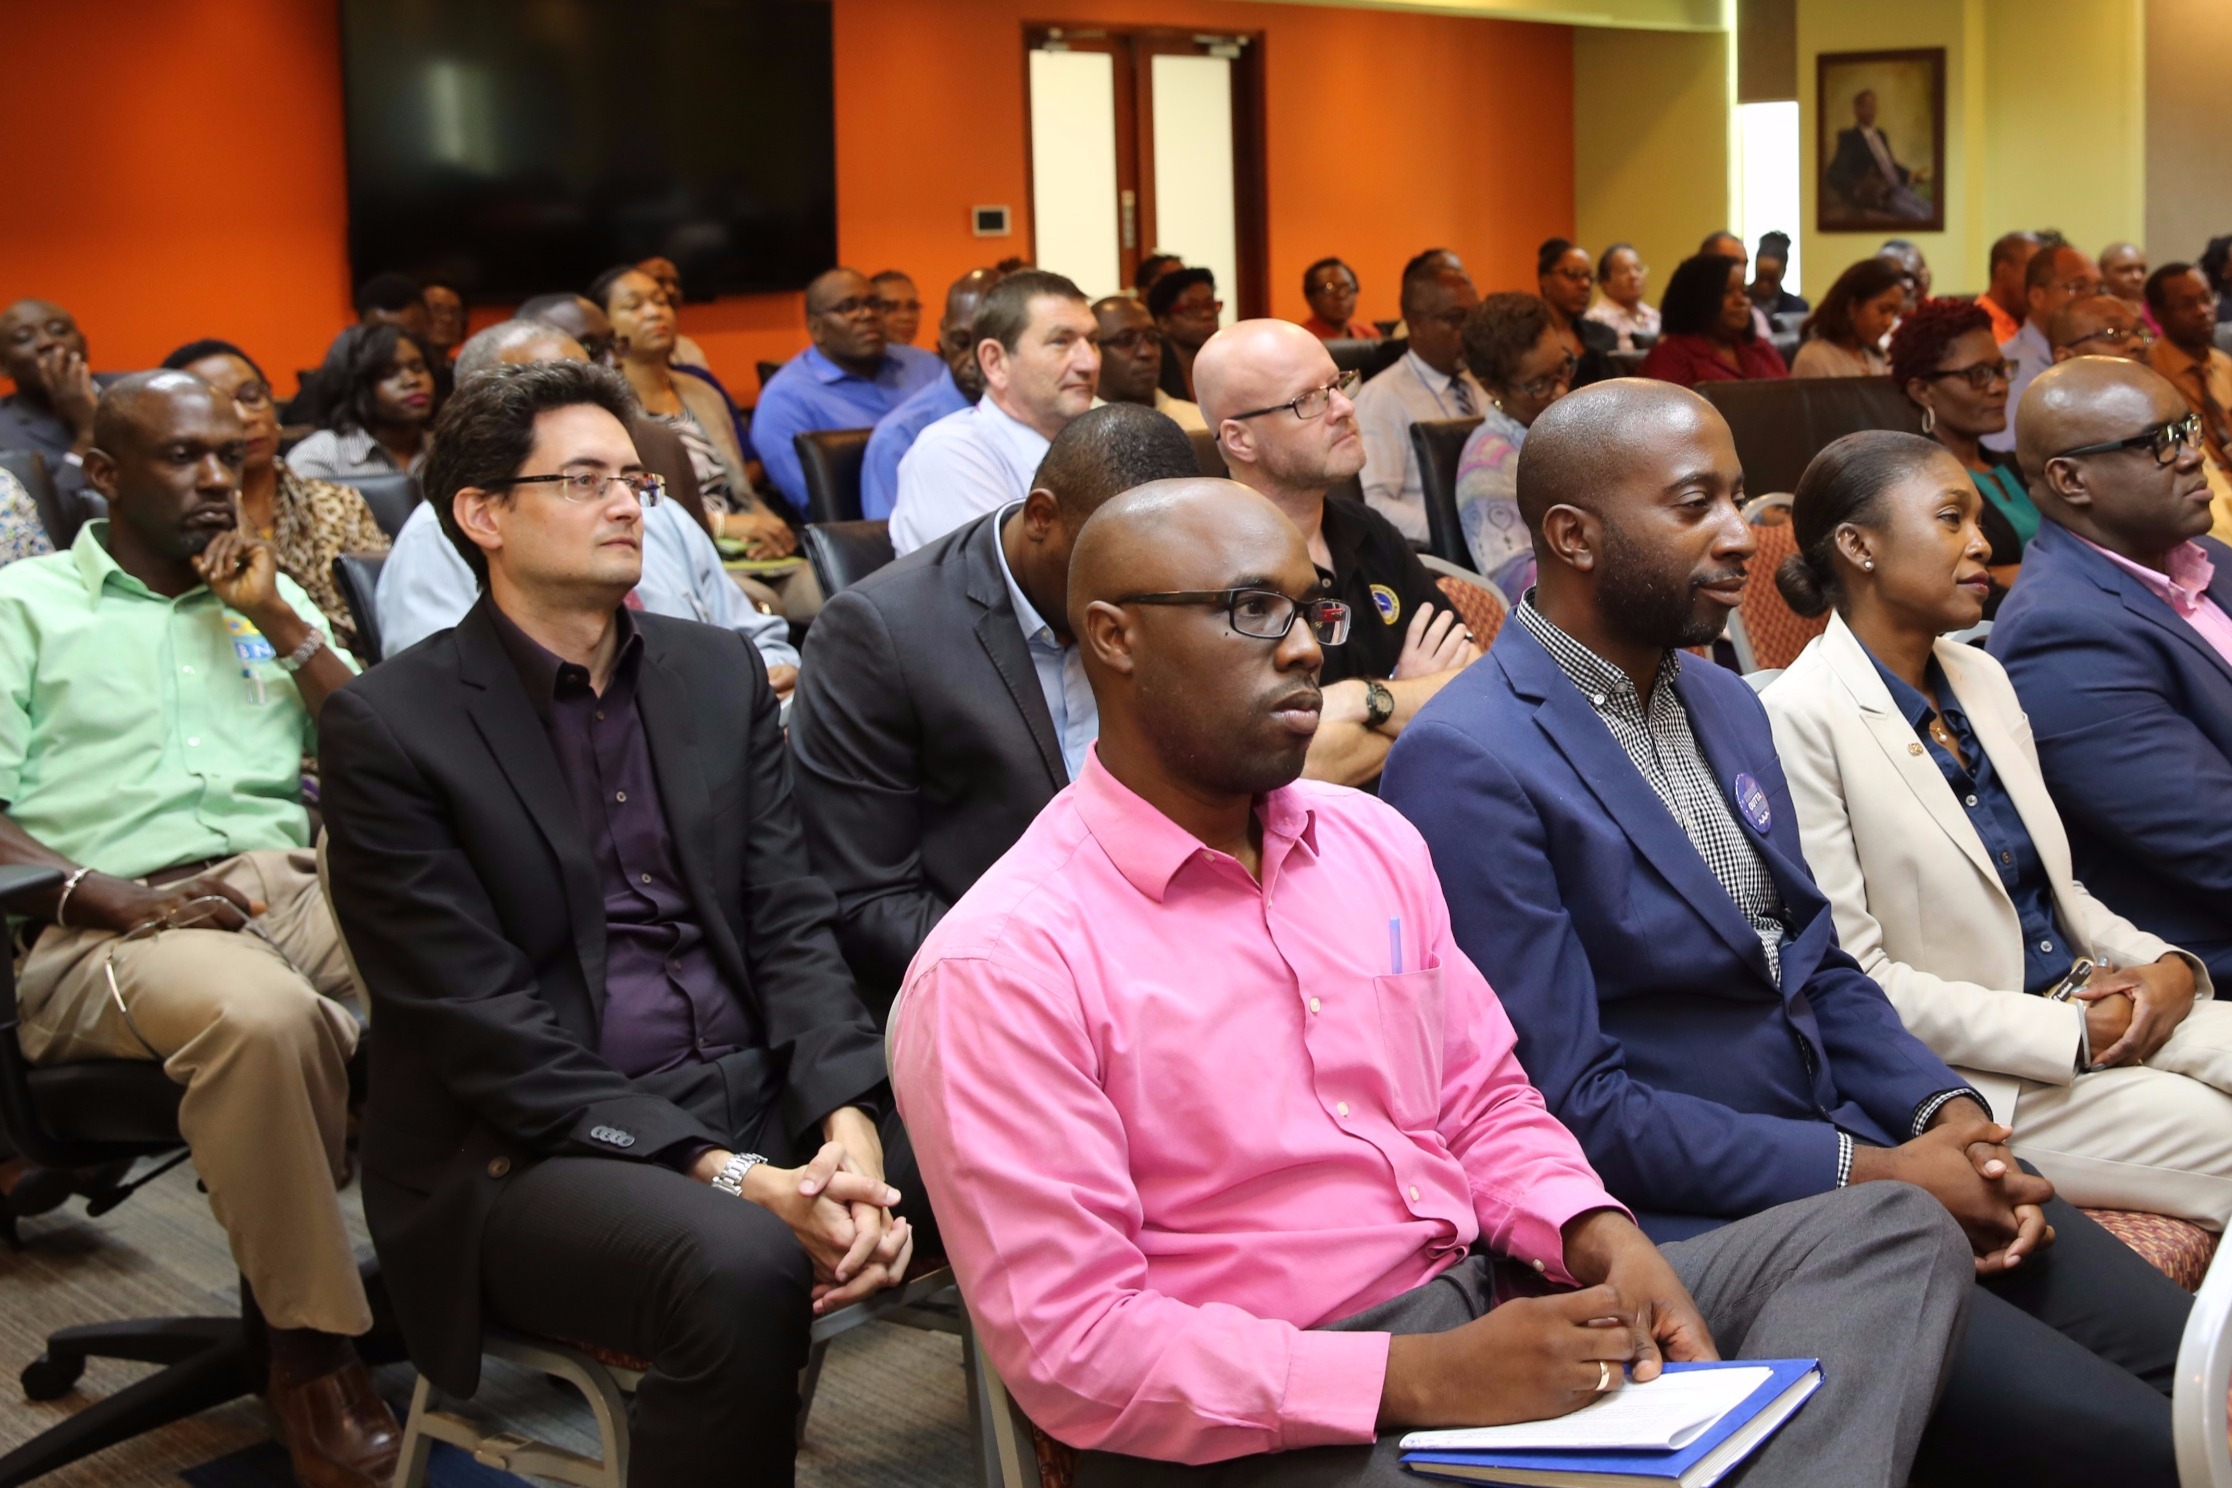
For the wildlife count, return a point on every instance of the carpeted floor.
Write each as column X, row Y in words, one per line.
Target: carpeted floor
column 891, row 1409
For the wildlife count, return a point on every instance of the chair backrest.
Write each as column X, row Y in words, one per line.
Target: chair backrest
column 830, row 459
column 1207, row 454
column 1438, row 444
column 1780, row 424
column 1629, row 363
column 767, row 371
column 1480, row 604
column 357, row 576
column 2224, row 335
column 2197, row 1400
column 391, row 496
column 1786, row 345
column 1773, row 632
column 844, row 553
column 1367, row 357
column 30, row 467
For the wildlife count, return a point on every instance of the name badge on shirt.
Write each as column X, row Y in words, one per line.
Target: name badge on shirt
column 1753, row 800
column 250, row 647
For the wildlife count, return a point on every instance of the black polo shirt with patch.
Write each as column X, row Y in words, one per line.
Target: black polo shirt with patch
column 1381, row 580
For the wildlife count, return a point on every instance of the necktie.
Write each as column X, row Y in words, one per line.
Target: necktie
column 2216, row 430
column 1463, row 392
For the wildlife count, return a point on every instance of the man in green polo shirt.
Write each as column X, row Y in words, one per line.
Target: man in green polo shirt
column 158, row 687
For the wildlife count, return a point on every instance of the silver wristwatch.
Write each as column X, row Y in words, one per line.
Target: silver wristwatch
column 731, row 1177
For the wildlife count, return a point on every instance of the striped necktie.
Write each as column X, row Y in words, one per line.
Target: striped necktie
column 1463, row 394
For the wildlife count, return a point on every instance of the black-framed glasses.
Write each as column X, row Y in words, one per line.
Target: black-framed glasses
column 887, row 307
column 1262, row 614
column 578, row 486
column 1314, row 402
column 252, row 394
column 854, row 305
column 1133, row 340
column 1982, row 375
column 2137, row 335
column 1542, row 387
column 2163, row 441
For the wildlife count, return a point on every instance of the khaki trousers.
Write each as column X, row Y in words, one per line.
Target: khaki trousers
column 261, row 1045
column 2156, row 1137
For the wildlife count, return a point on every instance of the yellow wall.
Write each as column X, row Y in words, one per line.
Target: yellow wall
column 1650, row 143
column 2189, row 118
column 2045, row 122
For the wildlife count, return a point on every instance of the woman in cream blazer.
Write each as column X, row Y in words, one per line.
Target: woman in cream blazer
column 1929, row 827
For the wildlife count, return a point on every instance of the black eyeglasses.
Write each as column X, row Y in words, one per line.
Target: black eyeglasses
column 1262, row 614
column 1982, row 375
column 578, row 486
column 1314, row 402
column 2137, row 335
column 2163, row 441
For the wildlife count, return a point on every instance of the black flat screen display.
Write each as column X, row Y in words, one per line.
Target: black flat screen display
column 518, row 147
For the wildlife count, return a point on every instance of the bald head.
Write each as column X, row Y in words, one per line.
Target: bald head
column 32, row 330
column 2096, row 325
column 1579, row 450
column 137, row 411
column 167, row 454
column 2088, row 400
column 1292, row 455
column 1190, row 533
column 1256, row 363
column 514, row 343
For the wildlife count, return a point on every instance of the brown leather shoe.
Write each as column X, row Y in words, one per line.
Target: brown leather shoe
column 337, row 1429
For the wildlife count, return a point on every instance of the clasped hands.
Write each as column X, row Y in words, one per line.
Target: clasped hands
column 2131, row 1011
column 838, row 1206
column 1964, row 1163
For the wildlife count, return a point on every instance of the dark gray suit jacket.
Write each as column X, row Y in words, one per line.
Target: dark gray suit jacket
column 921, row 745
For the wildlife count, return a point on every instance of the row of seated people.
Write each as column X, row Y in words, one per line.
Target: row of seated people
column 478, row 958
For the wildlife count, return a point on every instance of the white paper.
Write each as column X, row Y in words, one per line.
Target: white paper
column 1665, row 1415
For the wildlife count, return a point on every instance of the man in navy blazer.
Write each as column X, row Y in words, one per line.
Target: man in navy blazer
column 2119, row 642
column 1622, row 860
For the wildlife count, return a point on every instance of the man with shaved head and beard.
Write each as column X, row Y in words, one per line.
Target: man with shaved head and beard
column 1288, row 429
column 2119, row 642
column 1673, row 969
column 959, row 388
column 1238, row 1169
column 848, row 379
column 163, row 683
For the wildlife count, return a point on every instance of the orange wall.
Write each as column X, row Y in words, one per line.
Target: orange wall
column 188, row 179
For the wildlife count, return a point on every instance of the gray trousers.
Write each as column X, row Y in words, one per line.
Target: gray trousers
column 1873, row 1281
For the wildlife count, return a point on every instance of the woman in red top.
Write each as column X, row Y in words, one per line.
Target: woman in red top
column 1706, row 327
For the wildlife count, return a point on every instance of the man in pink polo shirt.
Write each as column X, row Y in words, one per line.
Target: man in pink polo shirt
column 1227, row 1138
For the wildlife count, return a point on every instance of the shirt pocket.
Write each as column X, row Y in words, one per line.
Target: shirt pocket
column 1410, row 1014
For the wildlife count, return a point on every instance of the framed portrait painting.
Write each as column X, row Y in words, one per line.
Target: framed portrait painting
column 1881, row 141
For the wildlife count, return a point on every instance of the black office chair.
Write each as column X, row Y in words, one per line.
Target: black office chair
column 1367, row 357
column 1438, row 444
column 357, row 576
column 767, row 371
column 392, row 497
column 92, row 1114
column 1207, row 455
column 1786, row 345
column 830, row 460
column 1781, row 423
column 844, row 553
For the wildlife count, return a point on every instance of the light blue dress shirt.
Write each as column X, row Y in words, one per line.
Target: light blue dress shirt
column 879, row 469
column 1060, row 668
column 425, row 585
column 2032, row 354
column 812, row 392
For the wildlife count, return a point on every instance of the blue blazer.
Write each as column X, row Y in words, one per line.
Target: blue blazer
column 2132, row 711
column 1701, row 1090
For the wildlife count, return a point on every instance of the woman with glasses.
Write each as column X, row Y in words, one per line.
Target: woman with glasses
column 1944, row 359
column 1185, row 305
column 1844, row 338
column 1708, row 331
column 1565, row 278
column 374, row 402
column 308, row 522
column 1331, row 289
column 1621, row 275
column 1928, row 823
column 1513, row 347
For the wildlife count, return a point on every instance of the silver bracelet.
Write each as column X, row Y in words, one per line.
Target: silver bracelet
column 69, row 886
column 295, row 660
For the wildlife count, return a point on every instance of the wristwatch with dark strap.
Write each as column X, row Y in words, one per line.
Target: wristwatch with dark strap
column 1379, row 703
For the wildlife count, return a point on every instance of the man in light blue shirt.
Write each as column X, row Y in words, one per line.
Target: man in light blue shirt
column 848, row 379
column 962, row 385
column 425, row 587
column 2055, row 277
column 1037, row 346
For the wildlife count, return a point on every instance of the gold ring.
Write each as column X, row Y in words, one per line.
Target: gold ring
column 1604, row 1376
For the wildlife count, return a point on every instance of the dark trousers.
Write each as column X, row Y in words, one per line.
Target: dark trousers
column 2065, row 1374
column 713, row 1290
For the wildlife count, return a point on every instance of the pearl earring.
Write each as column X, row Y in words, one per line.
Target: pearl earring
column 1868, row 564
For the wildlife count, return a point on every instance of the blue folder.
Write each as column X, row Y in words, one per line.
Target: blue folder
column 1549, row 1467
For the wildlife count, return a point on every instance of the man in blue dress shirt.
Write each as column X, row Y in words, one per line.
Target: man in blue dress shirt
column 961, row 386
column 848, row 379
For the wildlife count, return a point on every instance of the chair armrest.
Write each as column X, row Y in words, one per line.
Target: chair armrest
column 19, row 880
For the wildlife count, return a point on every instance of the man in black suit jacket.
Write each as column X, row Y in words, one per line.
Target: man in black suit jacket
column 924, row 735
column 564, row 852
column 1868, row 176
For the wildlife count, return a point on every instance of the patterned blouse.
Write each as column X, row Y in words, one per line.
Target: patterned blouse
column 22, row 534
column 314, row 521
column 1488, row 504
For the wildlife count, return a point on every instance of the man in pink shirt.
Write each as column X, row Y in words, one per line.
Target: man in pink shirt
column 1228, row 1141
